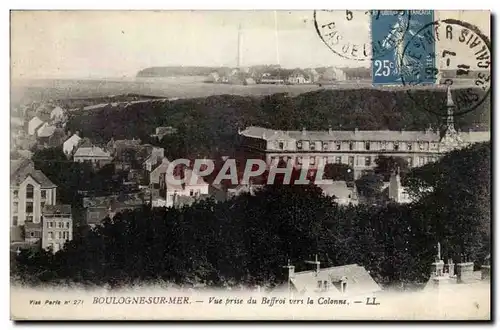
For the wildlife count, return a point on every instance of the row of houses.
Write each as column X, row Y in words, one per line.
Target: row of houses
column 250, row 76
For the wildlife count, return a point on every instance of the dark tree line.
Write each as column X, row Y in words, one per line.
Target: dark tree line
column 248, row 239
column 208, row 126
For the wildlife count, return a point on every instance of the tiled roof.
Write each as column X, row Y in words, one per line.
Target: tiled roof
column 35, row 122
column 359, row 281
column 73, row 139
column 382, row 135
column 90, row 152
column 44, row 182
column 46, row 130
column 32, row 225
column 53, row 209
column 20, row 170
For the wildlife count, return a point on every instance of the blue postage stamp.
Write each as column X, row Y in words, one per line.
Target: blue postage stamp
column 396, row 47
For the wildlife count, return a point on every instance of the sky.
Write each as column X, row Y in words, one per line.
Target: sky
column 86, row 44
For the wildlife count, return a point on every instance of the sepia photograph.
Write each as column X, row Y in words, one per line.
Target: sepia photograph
column 250, row 165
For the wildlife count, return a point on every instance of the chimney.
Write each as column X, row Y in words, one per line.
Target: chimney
column 465, row 272
column 485, row 269
column 291, row 270
column 438, row 266
column 315, row 262
column 451, row 268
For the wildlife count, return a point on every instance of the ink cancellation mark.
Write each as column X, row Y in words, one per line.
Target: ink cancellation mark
column 463, row 62
column 390, row 31
column 340, row 31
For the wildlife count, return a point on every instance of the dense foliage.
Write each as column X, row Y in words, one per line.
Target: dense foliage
column 209, row 126
column 249, row 238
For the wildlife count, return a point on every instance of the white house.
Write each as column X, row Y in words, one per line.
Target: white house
column 45, row 130
column 70, row 144
column 191, row 186
column 34, row 124
column 58, row 115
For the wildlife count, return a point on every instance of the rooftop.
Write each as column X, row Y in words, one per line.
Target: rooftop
column 358, row 135
column 91, row 152
column 57, row 209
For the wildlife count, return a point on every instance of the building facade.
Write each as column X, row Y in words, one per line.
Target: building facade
column 30, row 191
column 356, row 148
column 57, row 227
column 92, row 155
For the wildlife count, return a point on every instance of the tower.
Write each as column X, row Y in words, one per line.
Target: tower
column 450, row 139
column 450, row 107
column 240, row 45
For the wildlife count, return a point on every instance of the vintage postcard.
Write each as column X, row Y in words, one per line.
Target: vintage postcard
column 250, row 165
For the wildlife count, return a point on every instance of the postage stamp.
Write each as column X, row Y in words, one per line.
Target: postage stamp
column 391, row 31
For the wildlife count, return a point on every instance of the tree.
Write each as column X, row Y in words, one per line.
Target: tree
column 369, row 185
column 339, row 172
column 386, row 165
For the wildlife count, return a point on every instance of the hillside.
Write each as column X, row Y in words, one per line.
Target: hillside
column 209, row 125
column 172, row 71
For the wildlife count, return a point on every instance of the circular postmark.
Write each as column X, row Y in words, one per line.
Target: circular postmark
column 452, row 54
column 349, row 33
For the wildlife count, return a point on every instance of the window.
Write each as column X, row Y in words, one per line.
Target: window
column 424, row 145
column 325, row 160
column 44, row 193
column 61, row 224
column 51, row 235
column 29, row 218
column 337, row 145
column 351, row 145
column 325, row 285
column 351, row 161
column 29, row 207
column 29, row 191
column 42, row 205
column 408, row 146
column 410, row 161
column 15, row 207
column 368, row 161
column 325, row 145
column 367, row 145
column 299, row 160
column 396, row 146
column 421, row 161
column 281, row 145
column 338, row 160
column 67, row 224
column 191, row 192
column 312, row 160
column 32, row 234
column 60, row 235
column 14, row 220
column 299, row 145
column 16, row 193
column 383, row 145
column 312, row 145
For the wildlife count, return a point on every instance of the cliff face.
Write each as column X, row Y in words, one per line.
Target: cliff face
column 172, row 71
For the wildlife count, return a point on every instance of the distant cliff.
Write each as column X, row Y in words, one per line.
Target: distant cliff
column 172, row 71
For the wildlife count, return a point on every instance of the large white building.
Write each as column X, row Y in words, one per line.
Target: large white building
column 356, row 148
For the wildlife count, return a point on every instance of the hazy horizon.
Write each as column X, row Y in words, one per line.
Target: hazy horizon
column 97, row 44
